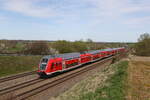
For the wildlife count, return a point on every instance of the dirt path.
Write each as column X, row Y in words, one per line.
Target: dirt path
column 139, row 78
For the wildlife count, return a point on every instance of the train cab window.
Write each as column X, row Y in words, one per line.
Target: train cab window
column 43, row 64
column 44, row 60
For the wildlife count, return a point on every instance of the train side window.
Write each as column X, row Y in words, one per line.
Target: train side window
column 57, row 64
column 60, row 63
column 53, row 65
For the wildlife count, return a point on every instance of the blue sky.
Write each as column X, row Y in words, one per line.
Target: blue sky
column 99, row 20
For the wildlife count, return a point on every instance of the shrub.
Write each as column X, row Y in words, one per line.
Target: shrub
column 37, row 48
column 142, row 48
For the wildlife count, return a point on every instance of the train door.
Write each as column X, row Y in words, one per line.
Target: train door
column 63, row 65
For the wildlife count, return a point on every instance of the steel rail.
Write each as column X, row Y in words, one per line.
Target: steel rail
column 16, row 76
column 19, row 86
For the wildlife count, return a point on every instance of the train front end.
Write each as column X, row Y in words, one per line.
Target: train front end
column 43, row 66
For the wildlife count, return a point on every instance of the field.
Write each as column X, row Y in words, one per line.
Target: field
column 17, row 64
column 139, row 79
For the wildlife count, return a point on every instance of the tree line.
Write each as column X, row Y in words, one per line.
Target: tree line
column 53, row 47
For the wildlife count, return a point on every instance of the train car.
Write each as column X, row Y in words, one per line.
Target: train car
column 56, row 63
column 95, row 54
column 106, row 52
column 114, row 51
column 121, row 50
column 85, row 58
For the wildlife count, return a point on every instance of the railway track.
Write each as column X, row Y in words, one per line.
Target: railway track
column 19, row 86
column 37, row 90
column 16, row 76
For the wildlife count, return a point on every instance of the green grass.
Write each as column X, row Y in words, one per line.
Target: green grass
column 115, row 88
column 17, row 64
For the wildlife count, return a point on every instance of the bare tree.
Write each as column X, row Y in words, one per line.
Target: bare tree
column 37, row 48
column 142, row 48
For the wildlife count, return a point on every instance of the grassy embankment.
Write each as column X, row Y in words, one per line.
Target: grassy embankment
column 17, row 64
column 106, row 84
column 115, row 88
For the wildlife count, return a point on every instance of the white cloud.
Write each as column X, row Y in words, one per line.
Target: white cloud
column 130, row 12
column 98, row 11
column 120, row 6
column 28, row 7
column 137, row 21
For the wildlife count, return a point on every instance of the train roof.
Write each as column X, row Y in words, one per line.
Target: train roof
column 69, row 55
column 64, row 56
column 109, row 49
column 93, row 51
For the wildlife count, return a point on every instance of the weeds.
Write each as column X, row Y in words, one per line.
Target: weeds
column 115, row 88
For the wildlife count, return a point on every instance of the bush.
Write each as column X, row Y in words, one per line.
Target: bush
column 142, row 48
column 37, row 48
column 63, row 46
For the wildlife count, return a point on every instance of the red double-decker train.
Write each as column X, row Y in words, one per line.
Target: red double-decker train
column 62, row 62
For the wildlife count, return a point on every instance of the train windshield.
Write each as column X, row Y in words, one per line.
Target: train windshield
column 43, row 63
